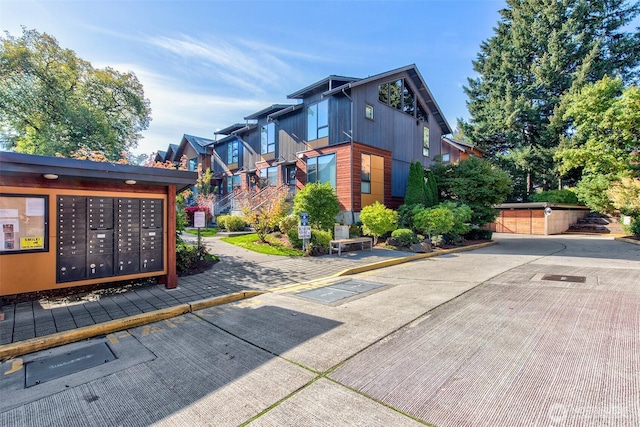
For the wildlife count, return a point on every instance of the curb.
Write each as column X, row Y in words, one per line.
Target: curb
column 628, row 240
column 60, row 338
column 397, row 261
column 380, row 264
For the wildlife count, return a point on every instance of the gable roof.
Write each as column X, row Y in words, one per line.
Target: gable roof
column 199, row 144
column 171, row 152
column 327, row 83
column 460, row 145
column 418, row 82
column 266, row 111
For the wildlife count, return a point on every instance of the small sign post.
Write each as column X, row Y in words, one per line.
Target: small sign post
column 199, row 222
column 304, row 230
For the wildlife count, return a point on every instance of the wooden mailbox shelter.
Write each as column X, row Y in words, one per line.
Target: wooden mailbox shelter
column 67, row 222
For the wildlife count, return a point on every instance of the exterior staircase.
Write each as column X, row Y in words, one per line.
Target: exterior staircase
column 595, row 223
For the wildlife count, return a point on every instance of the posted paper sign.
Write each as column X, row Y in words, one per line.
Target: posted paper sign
column 198, row 219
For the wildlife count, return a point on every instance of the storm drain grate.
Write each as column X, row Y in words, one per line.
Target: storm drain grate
column 338, row 291
column 561, row 278
column 53, row 367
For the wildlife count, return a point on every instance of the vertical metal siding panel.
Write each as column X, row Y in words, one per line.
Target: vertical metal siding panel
column 250, row 148
column 339, row 119
column 399, row 177
column 291, row 133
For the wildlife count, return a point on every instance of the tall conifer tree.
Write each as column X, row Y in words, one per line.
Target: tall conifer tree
column 541, row 51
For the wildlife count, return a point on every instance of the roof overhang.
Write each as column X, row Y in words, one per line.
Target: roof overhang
column 266, row 111
column 32, row 166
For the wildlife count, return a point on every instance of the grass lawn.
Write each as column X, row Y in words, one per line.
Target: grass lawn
column 204, row 232
column 253, row 243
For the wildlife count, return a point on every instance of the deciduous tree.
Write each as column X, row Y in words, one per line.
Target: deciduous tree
column 51, row 101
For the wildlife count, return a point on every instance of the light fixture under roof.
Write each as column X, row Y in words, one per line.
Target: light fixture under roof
column 50, row 176
column 130, row 181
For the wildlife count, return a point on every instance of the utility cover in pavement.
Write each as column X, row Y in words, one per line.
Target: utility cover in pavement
column 561, row 278
column 50, row 368
column 339, row 291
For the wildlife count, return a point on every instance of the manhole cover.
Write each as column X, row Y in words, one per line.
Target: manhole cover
column 357, row 286
column 326, row 294
column 339, row 291
column 561, row 278
column 50, row 368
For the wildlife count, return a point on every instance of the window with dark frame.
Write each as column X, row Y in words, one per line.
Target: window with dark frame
column 399, row 95
column 318, row 120
column 268, row 138
column 322, row 169
column 425, row 142
column 365, row 174
column 368, row 111
column 232, row 153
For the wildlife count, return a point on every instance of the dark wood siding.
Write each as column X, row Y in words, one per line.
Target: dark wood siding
column 390, row 128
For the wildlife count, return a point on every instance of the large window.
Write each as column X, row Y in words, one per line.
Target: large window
column 233, row 182
column 322, row 169
column 269, row 176
column 399, row 95
column 425, row 142
column 365, row 174
column 232, row 154
column 318, row 120
column 193, row 164
column 268, row 138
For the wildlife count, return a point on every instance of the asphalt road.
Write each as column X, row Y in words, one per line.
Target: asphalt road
column 531, row 331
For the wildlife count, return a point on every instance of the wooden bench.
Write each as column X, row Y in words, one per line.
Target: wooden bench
column 338, row 245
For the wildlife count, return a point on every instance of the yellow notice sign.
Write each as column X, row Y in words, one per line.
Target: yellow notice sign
column 32, row 243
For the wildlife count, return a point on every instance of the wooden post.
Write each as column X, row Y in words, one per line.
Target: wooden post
column 171, row 279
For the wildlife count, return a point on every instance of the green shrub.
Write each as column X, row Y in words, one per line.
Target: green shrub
column 222, row 221
column 187, row 255
column 635, row 227
column 292, row 236
column 320, row 202
column 287, row 223
column 555, row 196
column 435, row 221
column 406, row 214
column 377, row 220
column 235, row 223
column 461, row 218
column 405, row 237
column 319, row 244
column 355, row 230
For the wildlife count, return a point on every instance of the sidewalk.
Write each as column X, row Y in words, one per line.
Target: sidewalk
column 239, row 270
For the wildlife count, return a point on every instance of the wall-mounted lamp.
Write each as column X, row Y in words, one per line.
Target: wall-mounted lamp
column 301, row 156
column 50, row 176
column 130, row 181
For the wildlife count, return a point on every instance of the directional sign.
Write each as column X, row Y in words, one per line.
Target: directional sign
column 304, row 218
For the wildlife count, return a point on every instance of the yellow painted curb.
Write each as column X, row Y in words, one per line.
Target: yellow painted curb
column 20, row 348
column 627, row 240
column 212, row 302
column 397, row 261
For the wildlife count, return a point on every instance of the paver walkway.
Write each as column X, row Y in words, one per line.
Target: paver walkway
column 239, row 270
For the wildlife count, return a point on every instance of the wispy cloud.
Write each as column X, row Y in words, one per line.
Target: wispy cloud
column 251, row 68
column 178, row 109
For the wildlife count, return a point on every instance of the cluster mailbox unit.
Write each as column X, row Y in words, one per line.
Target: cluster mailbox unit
column 68, row 222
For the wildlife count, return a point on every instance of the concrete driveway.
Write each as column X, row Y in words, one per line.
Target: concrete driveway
column 531, row 331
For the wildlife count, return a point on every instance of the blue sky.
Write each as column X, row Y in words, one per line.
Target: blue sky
column 205, row 64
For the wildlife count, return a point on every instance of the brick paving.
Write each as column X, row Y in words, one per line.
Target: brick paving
column 239, row 270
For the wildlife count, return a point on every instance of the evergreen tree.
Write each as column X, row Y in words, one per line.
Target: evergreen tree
column 431, row 193
column 416, row 186
column 541, row 51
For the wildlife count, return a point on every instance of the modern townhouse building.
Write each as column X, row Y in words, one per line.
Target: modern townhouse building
column 359, row 134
